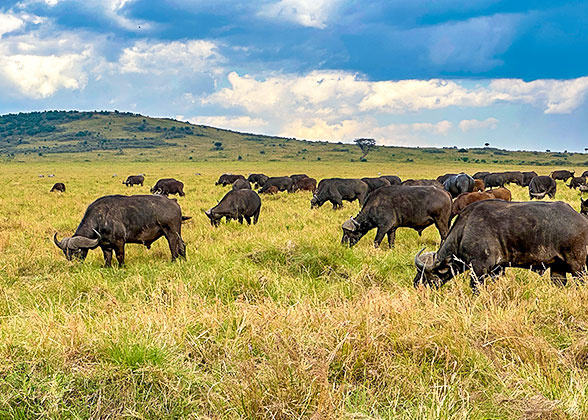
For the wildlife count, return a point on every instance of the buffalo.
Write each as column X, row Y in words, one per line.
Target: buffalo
column 459, row 184
column 423, row 183
column 112, row 221
column 58, row 186
column 584, row 207
column 393, row 179
column 283, row 183
column 134, row 180
column 501, row 193
column 541, row 186
column 375, row 183
column 167, row 186
column 493, row 180
column 576, row 181
column 465, row 199
column 257, row 179
column 336, row 190
column 389, row 208
column 442, row 178
column 585, row 174
column 228, row 179
column 527, row 177
column 562, row 175
column 583, row 188
column 480, row 175
column 297, row 177
column 493, row 234
column 272, row 190
column 304, row 184
column 479, row 185
column 514, row 177
column 236, row 204
column 241, row 184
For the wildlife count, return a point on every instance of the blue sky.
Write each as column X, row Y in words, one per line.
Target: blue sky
column 434, row 73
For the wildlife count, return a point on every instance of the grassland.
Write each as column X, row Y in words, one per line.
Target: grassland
column 273, row 321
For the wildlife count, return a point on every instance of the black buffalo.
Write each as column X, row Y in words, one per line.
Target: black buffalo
column 585, row 174
column 297, row 177
column 257, row 179
column 282, row 183
column 115, row 220
column 494, row 180
column 527, row 177
column 134, row 180
column 584, row 207
column 480, row 175
column 393, row 179
column 389, row 208
column 562, row 175
column 241, row 184
column 228, row 179
column 58, row 186
column 375, row 183
column 167, row 186
column 422, row 183
column 459, row 184
column 336, row 190
column 236, row 204
column 493, row 234
column 541, row 186
column 514, row 177
column 576, row 181
column 441, row 179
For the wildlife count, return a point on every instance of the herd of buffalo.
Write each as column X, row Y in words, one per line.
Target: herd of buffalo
column 490, row 232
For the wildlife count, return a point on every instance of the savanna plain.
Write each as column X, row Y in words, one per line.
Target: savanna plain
column 272, row 321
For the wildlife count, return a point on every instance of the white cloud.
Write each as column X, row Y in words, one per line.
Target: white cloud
column 169, row 57
column 467, row 125
column 9, row 23
column 242, row 123
column 310, row 13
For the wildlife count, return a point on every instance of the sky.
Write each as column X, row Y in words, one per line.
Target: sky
column 410, row 73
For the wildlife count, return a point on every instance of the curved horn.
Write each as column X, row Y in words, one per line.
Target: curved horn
column 417, row 260
column 57, row 241
column 349, row 224
column 83, row 242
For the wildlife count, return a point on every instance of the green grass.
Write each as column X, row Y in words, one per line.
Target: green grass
column 273, row 321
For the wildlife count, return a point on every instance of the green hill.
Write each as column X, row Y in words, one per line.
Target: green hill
column 103, row 135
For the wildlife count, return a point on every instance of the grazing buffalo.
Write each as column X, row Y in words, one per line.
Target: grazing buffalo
column 167, row 186
column 491, row 235
column 272, row 190
column 375, row 183
column 58, row 186
column 393, row 179
column 563, row 175
column 228, row 179
column 441, row 179
column 236, row 204
column 585, row 174
column 134, row 180
column 480, row 175
column 527, row 177
column 494, row 180
column 241, row 184
column 583, row 188
column 257, row 179
column 479, row 185
column 389, row 208
column 459, row 184
column 115, row 220
column 465, row 199
column 576, row 181
column 514, row 177
column 304, row 184
column 541, row 186
column 584, row 207
column 283, row 183
column 422, row 183
column 297, row 177
column 336, row 190
column 501, row 193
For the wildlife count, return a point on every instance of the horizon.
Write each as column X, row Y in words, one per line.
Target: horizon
column 453, row 74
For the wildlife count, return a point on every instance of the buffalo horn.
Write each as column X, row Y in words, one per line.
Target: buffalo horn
column 57, row 241
column 83, row 242
column 417, row 260
column 349, row 224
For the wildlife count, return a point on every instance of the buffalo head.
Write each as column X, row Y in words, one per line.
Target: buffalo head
column 431, row 271
column 584, row 207
column 214, row 218
column 76, row 246
column 351, row 232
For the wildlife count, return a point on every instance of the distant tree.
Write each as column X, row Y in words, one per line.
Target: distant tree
column 586, row 149
column 365, row 145
column 486, row 144
column 547, row 150
column 218, row 145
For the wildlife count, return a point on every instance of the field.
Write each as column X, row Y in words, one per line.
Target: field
column 273, row 321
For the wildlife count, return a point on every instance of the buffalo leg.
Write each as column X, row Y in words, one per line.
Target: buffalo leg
column 256, row 216
column 248, row 219
column 176, row 245
column 107, row 257
column 119, row 250
column 381, row 232
column 240, row 218
column 391, row 238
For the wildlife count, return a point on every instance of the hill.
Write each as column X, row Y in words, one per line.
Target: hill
column 104, row 135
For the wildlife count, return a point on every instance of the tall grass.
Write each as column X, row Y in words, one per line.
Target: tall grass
column 275, row 321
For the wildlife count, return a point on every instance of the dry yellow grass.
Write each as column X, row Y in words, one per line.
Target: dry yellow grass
column 273, row 321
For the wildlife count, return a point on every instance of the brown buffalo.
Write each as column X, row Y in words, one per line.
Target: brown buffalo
column 465, row 199
column 501, row 193
column 479, row 185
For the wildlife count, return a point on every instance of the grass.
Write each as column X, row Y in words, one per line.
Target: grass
column 273, row 321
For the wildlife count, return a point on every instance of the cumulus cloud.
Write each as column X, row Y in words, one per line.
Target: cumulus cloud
column 9, row 23
column 310, row 13
column 169, row 57
column 242, row 123
column 467, row 125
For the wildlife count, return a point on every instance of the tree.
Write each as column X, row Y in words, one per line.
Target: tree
column 365, row 145
column 218, row 145
column 486, row 144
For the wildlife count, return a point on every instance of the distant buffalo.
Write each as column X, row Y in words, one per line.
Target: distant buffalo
column 479, row 185
column 304, row 184
column 501, row 193
column 584, row 207
column 167, row 186
column 283, row 183
column 480, row 175
column 241, row 184
column 375, row 183
column 562, row 175
column 393, row 179
column 134, row 180
column 527, row 177
column 465, row 199
column 541, row 186
column 112, row 221
column 441, row 179
column 258, row 179
column 228, row 179
column 336, row 190
column 423, row 183
column 58, row 186
column 493, row 180
column 576, row 181
column 238, row 205
column 459, row 184
column 297, row 177
column 585, row 174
